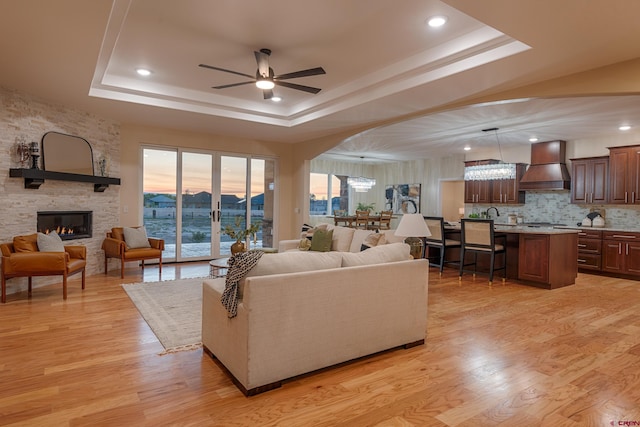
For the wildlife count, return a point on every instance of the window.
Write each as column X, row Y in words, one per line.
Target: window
column 327, row 192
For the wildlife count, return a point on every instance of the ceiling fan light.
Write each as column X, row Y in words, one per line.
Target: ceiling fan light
column 265, row 84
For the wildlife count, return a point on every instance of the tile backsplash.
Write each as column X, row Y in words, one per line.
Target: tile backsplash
column 556, row 207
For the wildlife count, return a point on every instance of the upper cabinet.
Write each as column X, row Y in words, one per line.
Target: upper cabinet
column 589, row 180
column 477, row 191
column 624, row 176
column 500, row 191
column 507, row 191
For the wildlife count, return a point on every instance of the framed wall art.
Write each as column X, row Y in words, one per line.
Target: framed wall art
column 402, row 198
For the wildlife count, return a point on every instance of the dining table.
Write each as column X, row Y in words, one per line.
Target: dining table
column 350, row 220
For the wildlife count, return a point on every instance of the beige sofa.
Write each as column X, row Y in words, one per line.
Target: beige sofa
column 303, row 311
column 345, row 239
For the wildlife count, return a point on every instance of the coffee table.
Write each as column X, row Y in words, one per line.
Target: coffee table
column 218, row 267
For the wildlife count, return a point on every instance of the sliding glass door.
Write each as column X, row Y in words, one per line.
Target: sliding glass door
column 196, row 229
column 189, row 197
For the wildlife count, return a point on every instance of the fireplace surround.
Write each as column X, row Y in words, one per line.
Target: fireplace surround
column 69, row 225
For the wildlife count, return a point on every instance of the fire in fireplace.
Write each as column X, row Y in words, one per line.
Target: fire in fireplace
column 69, row 225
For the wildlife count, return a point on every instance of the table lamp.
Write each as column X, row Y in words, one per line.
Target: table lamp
column 413, row 227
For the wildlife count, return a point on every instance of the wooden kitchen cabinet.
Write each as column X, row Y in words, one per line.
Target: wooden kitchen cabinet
column 590, row 180
column 624, row 176
column 590, row 250
column 621, row 252
column 478, row 191
column 507, row 191
column 548, row 260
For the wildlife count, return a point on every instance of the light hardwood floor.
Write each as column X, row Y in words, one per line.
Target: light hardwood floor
column 509, row 355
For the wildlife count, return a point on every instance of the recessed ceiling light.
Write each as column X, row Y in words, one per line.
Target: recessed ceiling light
column 276, row 98
column 143, row 72
column 467, row 148
column 624, row 127
column 437, row 21
column 533, row 139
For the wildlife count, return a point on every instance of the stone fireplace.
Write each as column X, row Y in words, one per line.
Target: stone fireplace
column 69, row 225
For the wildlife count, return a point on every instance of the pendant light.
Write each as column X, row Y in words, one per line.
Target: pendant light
column 361, row 184
column 491, row 172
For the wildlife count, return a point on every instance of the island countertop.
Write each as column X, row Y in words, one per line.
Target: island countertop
column 545, row 257
column 526, row 229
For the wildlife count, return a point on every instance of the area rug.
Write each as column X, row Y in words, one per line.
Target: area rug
column 173, row 310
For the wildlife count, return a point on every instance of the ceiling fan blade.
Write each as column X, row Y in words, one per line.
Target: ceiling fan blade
column 297, row 87
column 262, row 58
column 232, row 85
column 225, row 70
column 302, row 73
column 267, row 93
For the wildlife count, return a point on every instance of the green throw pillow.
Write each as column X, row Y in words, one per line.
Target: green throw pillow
column 321, row 240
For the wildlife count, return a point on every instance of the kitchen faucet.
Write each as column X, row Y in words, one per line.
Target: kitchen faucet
column 494, row 208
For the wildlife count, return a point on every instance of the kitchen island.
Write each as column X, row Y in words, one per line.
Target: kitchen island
column 545, row 257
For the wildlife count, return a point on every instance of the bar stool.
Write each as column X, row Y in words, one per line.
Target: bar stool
column 478, row 237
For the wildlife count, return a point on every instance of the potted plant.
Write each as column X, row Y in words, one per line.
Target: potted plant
column 240, row 234
column 365, row 206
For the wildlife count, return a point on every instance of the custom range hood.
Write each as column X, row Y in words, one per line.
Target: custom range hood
column 548, row 170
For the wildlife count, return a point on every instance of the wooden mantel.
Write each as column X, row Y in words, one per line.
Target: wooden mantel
column 34, row 178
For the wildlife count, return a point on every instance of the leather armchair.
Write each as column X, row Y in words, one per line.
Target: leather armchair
column 35, row 263
column 114, row 246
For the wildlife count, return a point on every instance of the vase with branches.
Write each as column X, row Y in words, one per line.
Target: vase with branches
column 240, row 233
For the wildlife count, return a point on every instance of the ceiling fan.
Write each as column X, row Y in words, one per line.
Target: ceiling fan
column 265, row 78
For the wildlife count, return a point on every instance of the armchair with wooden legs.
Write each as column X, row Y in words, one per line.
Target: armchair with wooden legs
column 21, row 258
column 115, row 246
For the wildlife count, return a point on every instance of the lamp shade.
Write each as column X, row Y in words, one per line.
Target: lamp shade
column 412, row 225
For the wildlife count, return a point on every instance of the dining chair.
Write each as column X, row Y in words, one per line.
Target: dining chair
column 362, row 219
column 384, row 221
column 478, row 236
column 339, row 217
column 438, row 241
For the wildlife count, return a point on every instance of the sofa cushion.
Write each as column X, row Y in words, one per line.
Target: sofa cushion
column 292, row 262
column 390, row 237
column 358, row 239
column 321, row 240
column 378, row 255
column 373, row 240
column 309, row 233
column 342, row 238
column 27, row 243
column 49, row 242
column 304, row 245
column 136, row 237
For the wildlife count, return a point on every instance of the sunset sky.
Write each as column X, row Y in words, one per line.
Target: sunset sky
column 160, row 172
